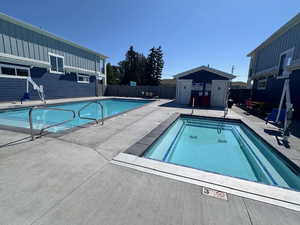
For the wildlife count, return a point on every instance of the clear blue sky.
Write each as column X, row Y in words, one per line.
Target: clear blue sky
column 191, row 32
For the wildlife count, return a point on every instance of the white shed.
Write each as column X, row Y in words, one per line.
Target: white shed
column 207, row 86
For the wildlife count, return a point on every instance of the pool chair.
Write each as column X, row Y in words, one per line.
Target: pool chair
column 272, row 116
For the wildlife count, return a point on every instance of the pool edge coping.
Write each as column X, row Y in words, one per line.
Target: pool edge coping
column 239, row 187
column 142, row 145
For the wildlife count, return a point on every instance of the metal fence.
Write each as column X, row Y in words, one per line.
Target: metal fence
column 140, row 91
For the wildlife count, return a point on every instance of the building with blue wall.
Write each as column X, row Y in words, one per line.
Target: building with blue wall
column 273, row 61
column 63, row 68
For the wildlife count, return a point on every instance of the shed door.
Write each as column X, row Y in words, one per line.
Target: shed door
column 183, row 91
column 219, row 89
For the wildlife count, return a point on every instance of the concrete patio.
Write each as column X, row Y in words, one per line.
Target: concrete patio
column 70, row 179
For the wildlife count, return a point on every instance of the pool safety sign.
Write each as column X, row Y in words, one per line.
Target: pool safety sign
column 214, row 193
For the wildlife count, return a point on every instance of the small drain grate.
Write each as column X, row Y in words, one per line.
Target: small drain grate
column 222, row 141
column 214, row 193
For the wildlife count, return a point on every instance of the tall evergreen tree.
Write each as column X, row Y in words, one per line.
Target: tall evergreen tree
column 154, row 67
column 113, row 73
column 159, row 65
column 130, row 66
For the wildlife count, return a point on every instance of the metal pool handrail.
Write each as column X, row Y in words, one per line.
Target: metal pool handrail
column 89, row 118
column 226, row 104
column 53, row 125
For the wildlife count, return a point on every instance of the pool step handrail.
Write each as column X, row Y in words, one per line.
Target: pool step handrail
column 226, row 103
column 90, row 118
column 47, row 127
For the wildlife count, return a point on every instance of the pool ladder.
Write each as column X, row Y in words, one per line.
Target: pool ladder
column 89, row 118
column 65, row 121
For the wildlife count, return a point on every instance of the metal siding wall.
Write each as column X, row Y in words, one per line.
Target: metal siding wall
column 11, row 89
column 19, row 41
column 55, row 86
column 268, row 57
column 272, row 94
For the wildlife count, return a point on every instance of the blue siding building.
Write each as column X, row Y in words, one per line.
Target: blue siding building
column 63, row 68
column 273, row 61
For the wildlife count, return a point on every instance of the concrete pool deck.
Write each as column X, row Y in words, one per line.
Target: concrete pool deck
column 70, row 179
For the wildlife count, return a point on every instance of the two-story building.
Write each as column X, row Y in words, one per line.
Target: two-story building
column 273, row 61
column 63, row 68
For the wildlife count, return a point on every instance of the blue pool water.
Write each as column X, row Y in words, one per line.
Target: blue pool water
column 228, row 148
column 42, row 117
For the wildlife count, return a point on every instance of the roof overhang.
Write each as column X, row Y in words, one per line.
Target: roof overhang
column 46, row 33
column 212, row 70
column 294, row 21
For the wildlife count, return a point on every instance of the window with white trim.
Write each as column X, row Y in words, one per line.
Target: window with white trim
column 285, row 60
column 102, row 65
column 81, row 78
column 262, row 84
column 56, row 63
column 16, row 71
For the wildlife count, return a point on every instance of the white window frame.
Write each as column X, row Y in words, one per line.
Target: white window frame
column 262, row 80
column 57, row 56
column 84, row 76
column 285, row 53
column 14, row 67
column 102, row 63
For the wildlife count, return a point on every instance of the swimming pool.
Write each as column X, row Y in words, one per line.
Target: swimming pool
column 224, row 147
column 44, row 117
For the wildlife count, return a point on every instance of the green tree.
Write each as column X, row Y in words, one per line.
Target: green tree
column 130, row 66
column 154, row 67
column 133, row 67
column 114, row 75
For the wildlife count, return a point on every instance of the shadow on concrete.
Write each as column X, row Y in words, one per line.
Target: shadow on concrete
column 17, row 142
column 278, row 135
column 295, row 128
column 173, row 104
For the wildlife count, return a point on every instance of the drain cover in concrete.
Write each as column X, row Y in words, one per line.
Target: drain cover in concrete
column 214, row 193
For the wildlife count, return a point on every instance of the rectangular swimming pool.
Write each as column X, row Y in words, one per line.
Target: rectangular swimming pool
column 224, row 147
column 44, row 117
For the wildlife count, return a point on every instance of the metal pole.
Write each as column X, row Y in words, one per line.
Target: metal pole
column 30, row 123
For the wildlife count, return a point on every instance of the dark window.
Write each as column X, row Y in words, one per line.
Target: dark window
column 8, row 71
column 262, row 84
column 250, row 72
column 53, row 63
column 60, row 64
column 102, row 65
column 22, row 72
column 57, row 64
column 281, row 64
column 83, row 78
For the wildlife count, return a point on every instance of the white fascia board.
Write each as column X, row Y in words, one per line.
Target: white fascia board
column 212, row 70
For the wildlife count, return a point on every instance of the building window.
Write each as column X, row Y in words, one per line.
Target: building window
column 15, row 71
column 285, row 60
column 262, row 84
column 281, row 65
column 56, row 63
column 102, row 66
column 81, row 78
